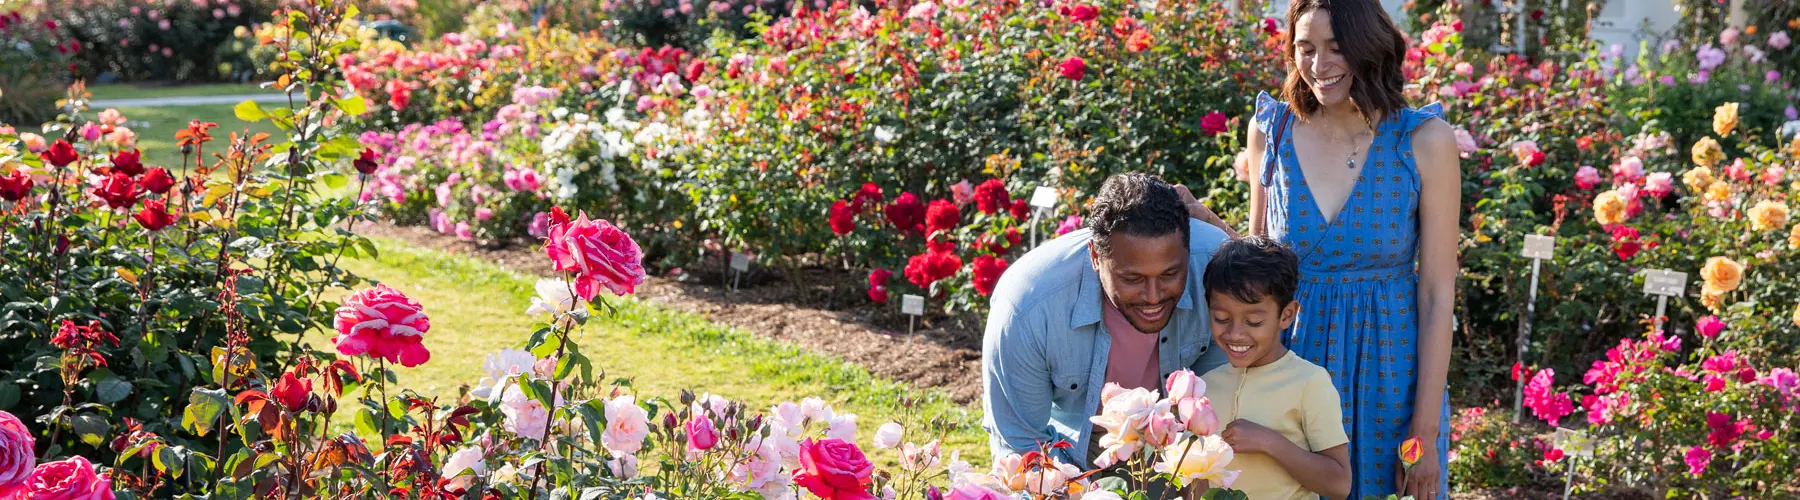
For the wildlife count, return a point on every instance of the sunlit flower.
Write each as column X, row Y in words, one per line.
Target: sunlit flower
column 1707, row 152
column 1768, row 214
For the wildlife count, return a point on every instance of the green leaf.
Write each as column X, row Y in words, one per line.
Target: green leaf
column 365, row 422
column 91, row 428
column 9, row 394
column 166, row 462
column 112, row 390
column 203, row 410
column 335, row 181
column 353, row 106
column 249, row 111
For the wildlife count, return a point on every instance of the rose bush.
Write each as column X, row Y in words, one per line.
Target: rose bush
column 161, row 39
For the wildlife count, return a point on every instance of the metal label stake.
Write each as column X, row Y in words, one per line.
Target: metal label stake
column 1538, row 248
column 1663, row 284
column 1574, row 444
column 739, row 264
column 912, row 306
column 1043, row 201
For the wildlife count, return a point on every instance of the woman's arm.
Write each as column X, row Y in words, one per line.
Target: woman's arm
column 1440, row 210
column 1259, row 210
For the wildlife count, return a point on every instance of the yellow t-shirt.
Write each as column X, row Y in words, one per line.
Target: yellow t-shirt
column 1290, row 396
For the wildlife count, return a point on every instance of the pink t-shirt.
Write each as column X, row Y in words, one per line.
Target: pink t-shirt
column 1132, row 362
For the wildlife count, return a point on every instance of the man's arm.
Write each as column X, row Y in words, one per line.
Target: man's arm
column 1015, row 382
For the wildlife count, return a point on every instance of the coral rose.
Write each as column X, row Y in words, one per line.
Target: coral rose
column 599, row 253
column 833, row 469
column 1722, row 274
column 383, row 323
column 1610, row 208
column 1768, row 214
column 1707, row 152
column 71, row 479
column 1725, row 118
column 16, row 460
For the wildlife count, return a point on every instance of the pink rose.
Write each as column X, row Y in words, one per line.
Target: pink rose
column 1465, row 142
column 626, row 426
column 834, row 469
column 973, row 492
column 701, row 433
column 1697, row 459
column 1587, row 176
column 71, row 479
column 1659, row 184
column 1710, row 326
column 1198, row 416
column 16, row 461
column 1779, row 40
column 1069, row 224
column 962, row 192
column 383, row 323
column 598, row 252
column 1184, row 384
column 1629, row 169
column 1073, row 68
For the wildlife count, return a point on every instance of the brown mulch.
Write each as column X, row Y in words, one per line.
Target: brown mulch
column 826, row 312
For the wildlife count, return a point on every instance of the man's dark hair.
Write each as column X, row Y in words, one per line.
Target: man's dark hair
column 1252, row 268
column 1136, row 204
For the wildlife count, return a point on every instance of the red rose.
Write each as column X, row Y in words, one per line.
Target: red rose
column 868, row 196
column 1072, row 68
column 927, row 268
column 157, row 180
column 154, row 216
column 842, row 218
column 878, row 294
column 1537, row 158
column 879, row 277
column 1020, row 210
column 695, row 70
column 365, row 162
column 1584, row 143
column 292, row 391
column 942, row 216
column 15, row 187
column 987, row 273
column 1012, row 236
column 119, row 191
column 600, row 253
column 1082, row 13
column 991, row 196
column 61, row 154
column 1271, row 26
column 906, row 213
column 833, row 469
column 129, row 162
column 1213, row 123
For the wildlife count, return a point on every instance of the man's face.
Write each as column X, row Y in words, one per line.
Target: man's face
column 1144, row 277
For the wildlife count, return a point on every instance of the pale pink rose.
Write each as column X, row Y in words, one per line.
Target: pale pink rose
column 34, row 143
column 71, row 479
column 1184, row 384
column 16, row 460
column 962, row 192
column 1779, row 40
column 1465, row 142
column 123, row 137
column 922, row 10
column 383, row 323
column 915, row 458
column 888, row 435
column 1523, row 150
column 466, row 459
column 1774, row 175
column 1629, row 169
column 1049, row 481
column 842, row 427
column 1198, row 416
column 626, row 426
column 1659, row 184
column 599, row 253
column 501, row 368
column 976, row 492
column 761, row 472
column 525, row 417
column 1587, row 176
column 814, row 409
column 1629, row 192
column 112, row 117
column 625, row 467
column 1465, row 69
column 1729, row 36
column 1204, row 460
column 1161, row 429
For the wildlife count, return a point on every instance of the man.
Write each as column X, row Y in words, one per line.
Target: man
column 1109, row 303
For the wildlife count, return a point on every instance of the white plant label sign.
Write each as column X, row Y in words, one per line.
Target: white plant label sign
column 913, row 305
column 1664, row 282
column 1538, row 246
column 740, row 262
column 1044, row 197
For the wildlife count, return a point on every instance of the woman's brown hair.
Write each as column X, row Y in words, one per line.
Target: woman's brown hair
column 1371, row 44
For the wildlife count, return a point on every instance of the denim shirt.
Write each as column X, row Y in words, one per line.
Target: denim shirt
column 1044, row 354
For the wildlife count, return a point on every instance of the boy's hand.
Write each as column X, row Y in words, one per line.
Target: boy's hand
column 1245, row 436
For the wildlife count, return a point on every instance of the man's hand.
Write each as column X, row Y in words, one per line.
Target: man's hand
column 1245, row 436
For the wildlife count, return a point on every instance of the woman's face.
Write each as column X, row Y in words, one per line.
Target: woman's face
column 1316, row 56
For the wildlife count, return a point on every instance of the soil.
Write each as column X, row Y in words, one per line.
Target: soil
column 825, row 310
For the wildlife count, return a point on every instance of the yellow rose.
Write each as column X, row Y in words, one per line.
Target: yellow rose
column 1794, row 147
column 1722, row 274
column 1725, row 118
column 1718, row 191
column 1794, row 237
column 1609, row 208
column 1796, row 316
column 1768, row 214
column 1697, row 178
column 1707, row 152
column 1711, row 298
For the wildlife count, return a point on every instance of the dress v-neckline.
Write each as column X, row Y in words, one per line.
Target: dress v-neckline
column 1355, row 188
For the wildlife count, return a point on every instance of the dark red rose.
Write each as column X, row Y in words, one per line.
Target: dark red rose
column 15, row 187
column 61, row 154
column 154, row 216
column 129, row 162
column 867, row 197
column 365, row 162
column 927, row 268
column 695, row 70
column 907, row 213
column 119, row 191
column 991, row 196
column 842, row 218
column 1020, row 210
column 157, row 180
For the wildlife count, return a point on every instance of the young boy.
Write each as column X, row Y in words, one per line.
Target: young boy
column 1284, row 421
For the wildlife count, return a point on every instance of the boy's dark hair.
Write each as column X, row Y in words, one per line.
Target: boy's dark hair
column 1136, row 204
column 1252, row 268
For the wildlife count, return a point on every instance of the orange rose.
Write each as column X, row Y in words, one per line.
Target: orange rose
column 1609, row 208
column 1707, row 152
column 1711, row 298
column 1768, row 214
column 1722, row 274
column 1697, row 178
column 1725, row 118
column 1411, row 451
column 1794, row 237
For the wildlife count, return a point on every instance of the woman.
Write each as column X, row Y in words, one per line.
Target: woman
column 1367, row 192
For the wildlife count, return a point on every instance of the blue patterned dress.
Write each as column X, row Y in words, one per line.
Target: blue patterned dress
column 1358, row 286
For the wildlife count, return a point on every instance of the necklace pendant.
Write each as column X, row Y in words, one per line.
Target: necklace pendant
column 1350, row 163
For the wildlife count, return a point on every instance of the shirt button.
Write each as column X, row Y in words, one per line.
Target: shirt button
column 1165, row 340
column 1072, row 386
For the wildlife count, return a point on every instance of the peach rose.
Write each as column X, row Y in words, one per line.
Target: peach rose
column 1722, row 274
column 1719, row 191
column 1768, row 214
column 1794, row 237
column 1697, row 178
column 1725, row 118
column 1707, row 152
column 1610, row 208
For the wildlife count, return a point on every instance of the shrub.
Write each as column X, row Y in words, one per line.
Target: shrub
column 161, row 40
column 33, row 63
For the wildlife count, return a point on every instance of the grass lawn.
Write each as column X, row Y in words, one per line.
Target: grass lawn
column 137, row 91
column 157, row 140
column 477, row 308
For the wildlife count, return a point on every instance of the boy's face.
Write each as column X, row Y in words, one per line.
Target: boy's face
column 1250, row 333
